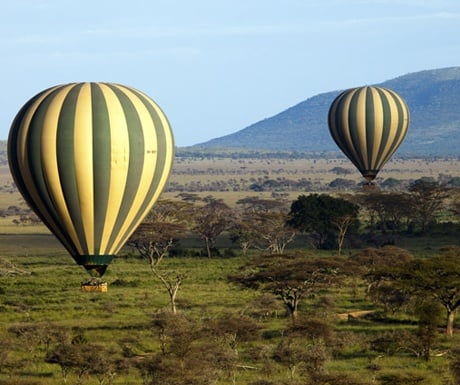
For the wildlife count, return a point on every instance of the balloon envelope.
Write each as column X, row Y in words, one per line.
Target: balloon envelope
column 91, row 160
column 368, row 124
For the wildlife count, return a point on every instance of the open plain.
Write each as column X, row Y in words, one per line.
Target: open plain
column 122, row 336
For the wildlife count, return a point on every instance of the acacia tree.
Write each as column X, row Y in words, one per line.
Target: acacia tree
column 427, row 198
column 379, row 267
column 191, row 352
column 387, row 210
column 342, row 224
column 243, row 232
column 290, row 278
column 305, row 344
column 82, row 358
column 454, row 204
column 262, row 223
column 272, row 231
column 153, row 239
column 326, row 217
column 291, row 352
column 437, row 277
column 210, row 220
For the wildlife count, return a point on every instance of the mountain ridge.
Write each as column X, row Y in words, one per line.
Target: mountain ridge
column 433, row 98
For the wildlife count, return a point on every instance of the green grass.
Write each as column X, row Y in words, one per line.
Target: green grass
column 49, row 297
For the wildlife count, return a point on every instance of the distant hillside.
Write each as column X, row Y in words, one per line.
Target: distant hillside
column 433, row 98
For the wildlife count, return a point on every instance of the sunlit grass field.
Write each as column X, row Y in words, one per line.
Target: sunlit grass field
column 42, row 290
column 47, row 294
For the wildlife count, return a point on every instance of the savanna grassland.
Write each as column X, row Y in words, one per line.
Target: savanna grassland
column 224, row 332
column 237, row 175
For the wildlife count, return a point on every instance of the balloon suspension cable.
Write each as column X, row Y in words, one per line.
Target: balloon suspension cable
column 93, row 281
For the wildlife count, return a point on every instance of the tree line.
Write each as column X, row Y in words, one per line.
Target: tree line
column 269, row 225
column 325, row 221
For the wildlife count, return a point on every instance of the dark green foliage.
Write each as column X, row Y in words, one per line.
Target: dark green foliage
column 341, row 170
column 428, row 312
column 290, row 277
column 401, row 379
column 335, row 379
column 426, row 201
column 124, row 283
column 389, row 342
column 322, row 215
column 380, row 267
column 392, row 184
column 342, row 184
column 389, row 212
column 437, row 277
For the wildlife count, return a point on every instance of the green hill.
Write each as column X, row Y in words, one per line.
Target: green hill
column 433, row 97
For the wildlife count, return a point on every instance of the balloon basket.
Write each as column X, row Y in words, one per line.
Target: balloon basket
column 94, row 286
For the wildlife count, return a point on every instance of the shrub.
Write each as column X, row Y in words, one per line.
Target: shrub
column 407, row 378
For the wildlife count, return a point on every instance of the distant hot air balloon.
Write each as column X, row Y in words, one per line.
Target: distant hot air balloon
column 368, row 124
column 91, row 159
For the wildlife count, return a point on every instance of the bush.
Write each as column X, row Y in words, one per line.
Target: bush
column 241, row 327
column 336, row 379
column 120, row 282
column 407, row 378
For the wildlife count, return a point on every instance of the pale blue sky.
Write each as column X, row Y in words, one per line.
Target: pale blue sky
column 217, row 66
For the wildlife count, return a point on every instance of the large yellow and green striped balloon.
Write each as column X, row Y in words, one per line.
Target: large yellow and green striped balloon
column 91, row 159
column 368, row 124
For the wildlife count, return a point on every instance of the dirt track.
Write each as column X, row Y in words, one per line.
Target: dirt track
column 354, row 314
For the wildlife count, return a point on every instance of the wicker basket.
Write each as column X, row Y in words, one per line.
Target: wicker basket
column 101, row 287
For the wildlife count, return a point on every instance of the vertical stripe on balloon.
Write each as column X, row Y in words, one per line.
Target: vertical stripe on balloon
column 91, row 159
column 368, row 124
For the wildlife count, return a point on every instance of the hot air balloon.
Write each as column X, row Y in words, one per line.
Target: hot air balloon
column 91, row 159
column 368, row 124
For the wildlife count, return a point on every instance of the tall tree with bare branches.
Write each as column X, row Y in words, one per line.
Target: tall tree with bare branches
column 210, row 220
column 162, row 228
